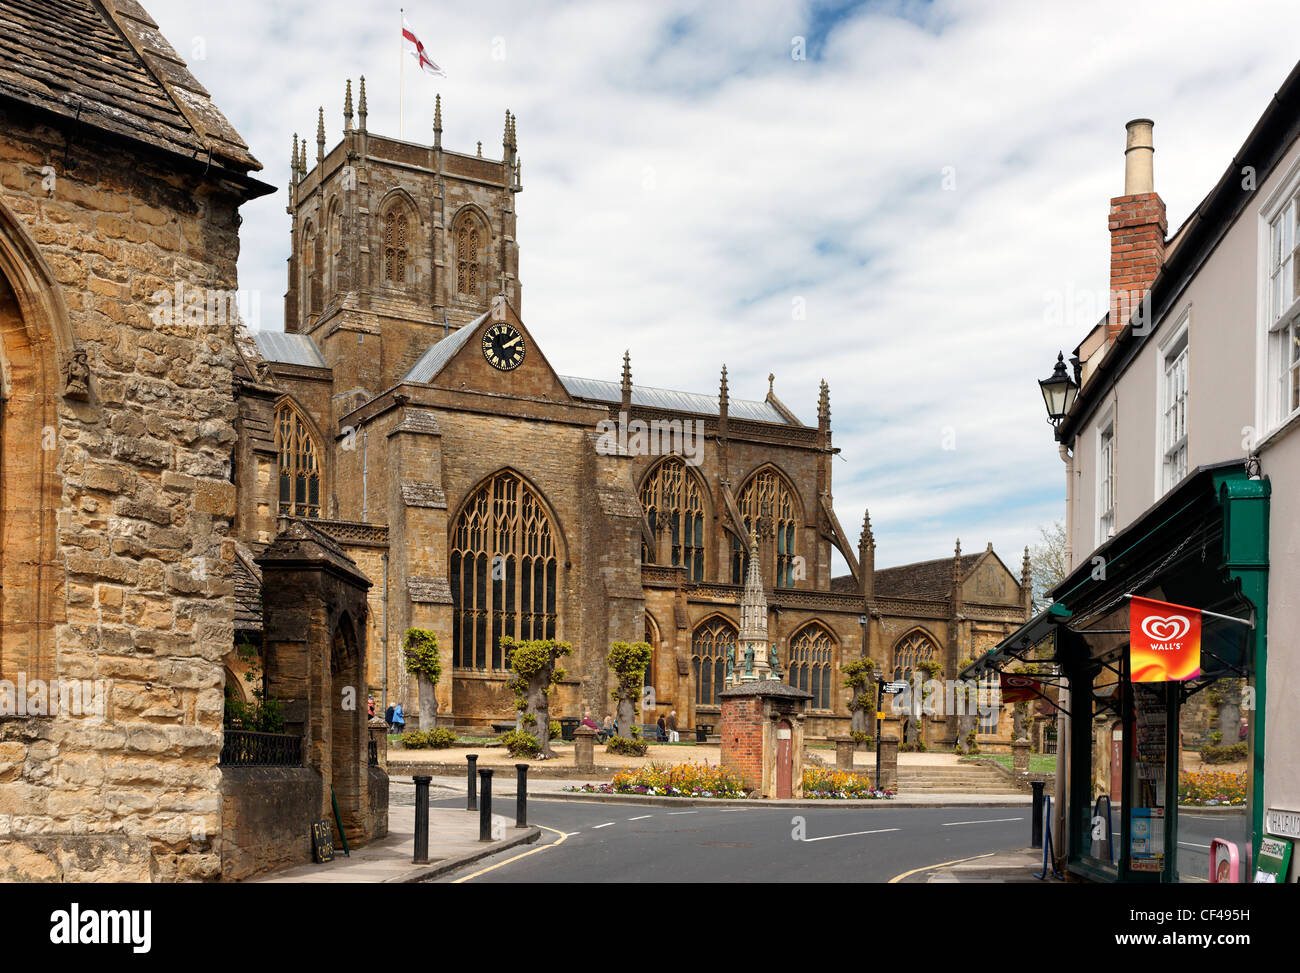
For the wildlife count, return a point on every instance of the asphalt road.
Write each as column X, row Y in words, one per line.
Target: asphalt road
column 623, row 843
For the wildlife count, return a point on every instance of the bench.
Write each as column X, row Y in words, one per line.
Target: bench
column 503, row 727
column 702, row 732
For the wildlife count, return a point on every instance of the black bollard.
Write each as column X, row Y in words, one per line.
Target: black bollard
column 421, row 820
column 485, row 806
column 471, row 803
column 1036, row 829
column 521, row 796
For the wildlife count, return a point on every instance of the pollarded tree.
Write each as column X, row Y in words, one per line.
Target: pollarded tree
column 421, row 650
column 859, row 676
column 534, row 675
column 628, row 662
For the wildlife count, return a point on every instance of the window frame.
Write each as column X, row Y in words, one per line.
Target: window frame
column 1277, row 400
column 1169, row 452
column 1106, row 469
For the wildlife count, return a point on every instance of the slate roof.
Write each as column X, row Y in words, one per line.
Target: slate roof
column 595, row 390
column 439, row 354
column 248, row 593
column 285, row 348
column 930, row 580
column 105, row 63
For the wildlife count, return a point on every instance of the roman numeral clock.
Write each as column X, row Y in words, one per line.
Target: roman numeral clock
column 503, row 347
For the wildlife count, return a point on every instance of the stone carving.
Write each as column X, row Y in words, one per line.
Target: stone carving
column 77, row 374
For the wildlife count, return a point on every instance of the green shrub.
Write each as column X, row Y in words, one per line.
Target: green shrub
column 415, row 740
column 438, row 739
column 556, row 732
column 520, row 743
column 1232, row 753
column 628, row 748
column 863, row 738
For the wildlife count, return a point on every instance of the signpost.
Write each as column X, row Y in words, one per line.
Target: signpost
column 1274, row 859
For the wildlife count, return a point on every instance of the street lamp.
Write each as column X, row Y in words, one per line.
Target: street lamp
column 1059, row 392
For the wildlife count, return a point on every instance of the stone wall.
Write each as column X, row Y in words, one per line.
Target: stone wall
column 135, row 587
column 266, row 814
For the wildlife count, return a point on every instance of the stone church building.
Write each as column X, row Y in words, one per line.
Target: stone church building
column 404, row 454
column 410, row 411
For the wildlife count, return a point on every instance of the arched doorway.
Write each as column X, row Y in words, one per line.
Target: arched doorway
column 35, row 338
column 347, row 729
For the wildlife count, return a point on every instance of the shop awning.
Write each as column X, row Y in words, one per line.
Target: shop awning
column 1020, row 643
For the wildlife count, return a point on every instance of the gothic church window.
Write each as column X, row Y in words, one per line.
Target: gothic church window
column 810, row 665
column 910, row 651
column 502, row 572
column 396, row 228
column 672, row 500
column 469, row 238
column 713, row 643
column 299, row 464
column 767, row 507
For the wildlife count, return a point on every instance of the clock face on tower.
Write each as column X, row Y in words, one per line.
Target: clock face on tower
column 503, row 347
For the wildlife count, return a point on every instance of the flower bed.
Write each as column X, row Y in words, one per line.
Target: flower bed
column 820, row 783
column 671, row 780
column 1211, row 788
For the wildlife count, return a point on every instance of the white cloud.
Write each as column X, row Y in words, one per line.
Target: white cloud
column 775, row 178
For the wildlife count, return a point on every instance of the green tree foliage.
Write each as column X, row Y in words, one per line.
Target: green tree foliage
column 628, row 661
column 534, row 673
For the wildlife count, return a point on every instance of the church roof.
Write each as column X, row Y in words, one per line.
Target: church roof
column 930, row 580
column 643, row 395
column 105, row 63
column 439, row 354
column 285, row 348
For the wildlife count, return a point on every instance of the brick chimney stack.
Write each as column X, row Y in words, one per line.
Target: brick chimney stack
column 1137, row 230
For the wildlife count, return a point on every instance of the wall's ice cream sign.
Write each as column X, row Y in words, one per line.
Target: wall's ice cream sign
column 1164, row 641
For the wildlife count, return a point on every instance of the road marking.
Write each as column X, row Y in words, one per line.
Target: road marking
column 958, row 861
column 851, row 834
column 570, row 834
column 953, row 824
column 607, row 824
column 641, row 817
column 484, row 871
column 683, row 812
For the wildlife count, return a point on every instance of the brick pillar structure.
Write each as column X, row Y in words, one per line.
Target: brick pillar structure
column 762, row 720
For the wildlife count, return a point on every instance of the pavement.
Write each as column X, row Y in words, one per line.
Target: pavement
column 1015, row 866
column 453, row 844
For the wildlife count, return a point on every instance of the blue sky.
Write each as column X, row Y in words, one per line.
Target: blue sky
column 930, row 183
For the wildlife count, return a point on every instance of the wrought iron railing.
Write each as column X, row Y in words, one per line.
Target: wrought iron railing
column 374, row 752
column 245, row 748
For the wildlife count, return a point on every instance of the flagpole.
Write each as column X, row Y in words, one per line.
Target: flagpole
column 401, row 74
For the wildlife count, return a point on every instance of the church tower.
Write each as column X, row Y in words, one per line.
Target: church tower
column 395, row 244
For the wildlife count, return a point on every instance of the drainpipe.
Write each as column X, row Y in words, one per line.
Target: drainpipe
column 1061, row 817
column 384, row 692
column 365, row 470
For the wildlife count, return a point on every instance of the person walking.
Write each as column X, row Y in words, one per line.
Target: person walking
column 388, row 716
column 399, row 721
column 370, row 707
column 672, row 728
column 662, row 729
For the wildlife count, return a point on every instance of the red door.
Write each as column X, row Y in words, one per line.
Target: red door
column 784, row 760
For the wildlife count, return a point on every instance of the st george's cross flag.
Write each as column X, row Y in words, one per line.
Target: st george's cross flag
column 1164, row 641
column 416, row 50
